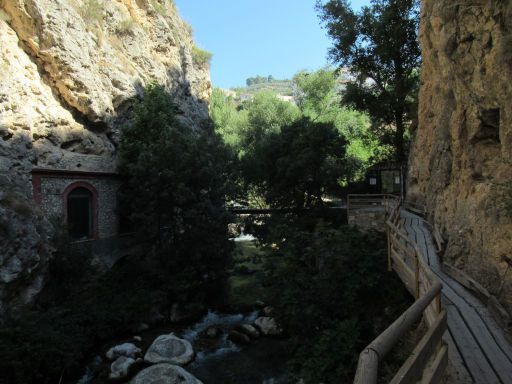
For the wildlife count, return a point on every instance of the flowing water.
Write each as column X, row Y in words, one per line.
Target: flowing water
column 218, row 360
column 263, row 361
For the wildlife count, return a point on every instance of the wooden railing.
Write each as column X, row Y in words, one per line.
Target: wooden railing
column 428, row 360
column 370, row 201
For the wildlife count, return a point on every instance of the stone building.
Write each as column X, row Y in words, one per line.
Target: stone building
column 85, row 201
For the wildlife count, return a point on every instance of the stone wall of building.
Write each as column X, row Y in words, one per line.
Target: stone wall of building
column 53, row 202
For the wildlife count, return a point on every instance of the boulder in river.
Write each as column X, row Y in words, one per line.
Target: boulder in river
column 249, row 330
column 268, row 326
column 164, row 374
column 170, row 349
column 126, row 349
column 120, row 368
column 268, row 310
column 211, row 332
column 239, row 337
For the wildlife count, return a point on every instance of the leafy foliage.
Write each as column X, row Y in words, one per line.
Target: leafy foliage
column 126, row 26
column 283, row 87
column 295, row 166
column 160, row 6
column 201, row 57
column 318, row 95
column 230, row 122
column 49, row 343
column 242, row 125
column 267, row 114
column 380, row 46
column 259, row 80
column 332, row 294
column 175, row 183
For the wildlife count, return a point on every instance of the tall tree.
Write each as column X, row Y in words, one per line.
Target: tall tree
column 318, row 97
column 267, row 114
column 297, row 165
column 175, row 183
column 380, row 46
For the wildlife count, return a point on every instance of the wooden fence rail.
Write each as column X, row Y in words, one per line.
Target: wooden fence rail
column 429, row 357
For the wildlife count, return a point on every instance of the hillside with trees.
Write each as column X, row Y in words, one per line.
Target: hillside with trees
column 247, row 126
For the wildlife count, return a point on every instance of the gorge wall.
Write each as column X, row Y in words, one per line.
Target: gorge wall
column 70, row 71
column 461, row 157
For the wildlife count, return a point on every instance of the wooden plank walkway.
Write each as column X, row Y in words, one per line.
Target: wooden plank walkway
column 478, row 349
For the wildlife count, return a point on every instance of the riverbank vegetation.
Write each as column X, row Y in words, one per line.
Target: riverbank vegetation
column 330, row 291
column 247, row 126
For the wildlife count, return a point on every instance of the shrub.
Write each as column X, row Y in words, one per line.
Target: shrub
column 201, row 57
column 126, row 26
column 332, row 294
column 160, row 7
column 49, row 344
column 93, row 10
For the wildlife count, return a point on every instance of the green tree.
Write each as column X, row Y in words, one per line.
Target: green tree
column 318, row 278
column 267, row 114
column 318, row 96
column 229, row 120
column 175, row 183
column 380, row 46
column 296, row 166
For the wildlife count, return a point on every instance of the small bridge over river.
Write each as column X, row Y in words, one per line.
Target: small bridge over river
column 459, row 324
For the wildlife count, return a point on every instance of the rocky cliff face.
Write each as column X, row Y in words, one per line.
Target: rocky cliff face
column 70, row 71
column 461, row 159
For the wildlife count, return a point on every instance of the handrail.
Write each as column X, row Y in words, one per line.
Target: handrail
column 369, row 200
column 404, row 256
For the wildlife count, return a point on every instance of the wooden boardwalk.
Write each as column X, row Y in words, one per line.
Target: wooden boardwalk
column 478, row 349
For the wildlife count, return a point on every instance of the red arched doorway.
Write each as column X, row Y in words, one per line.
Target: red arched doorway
column 80, row 204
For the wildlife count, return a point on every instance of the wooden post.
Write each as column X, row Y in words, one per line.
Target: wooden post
column 367, row 368
column 389, row 248
column 417, row 274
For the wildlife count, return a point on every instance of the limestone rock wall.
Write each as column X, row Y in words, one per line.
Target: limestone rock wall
column 70, row 71
column 461, row 158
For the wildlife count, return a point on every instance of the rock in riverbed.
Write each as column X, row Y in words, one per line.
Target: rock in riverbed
column 164, row 374
column 268, row 326
column 249, row 330
column 239, row 338
column 170, row 349
column 121, row 367
column 126, row 349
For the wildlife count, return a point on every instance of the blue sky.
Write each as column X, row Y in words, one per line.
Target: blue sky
column 258, row 37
